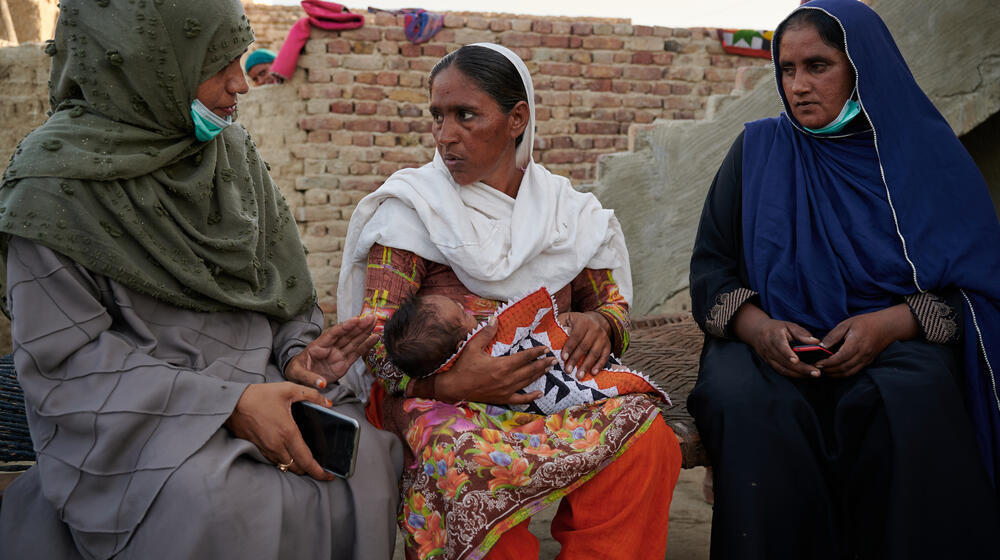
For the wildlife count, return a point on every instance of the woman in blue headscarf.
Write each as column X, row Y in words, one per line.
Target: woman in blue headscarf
column 855, row 222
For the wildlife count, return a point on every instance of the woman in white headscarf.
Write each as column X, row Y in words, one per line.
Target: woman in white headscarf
column 483, row 224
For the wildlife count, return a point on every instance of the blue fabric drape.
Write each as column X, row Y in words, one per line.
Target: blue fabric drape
column 844, row 224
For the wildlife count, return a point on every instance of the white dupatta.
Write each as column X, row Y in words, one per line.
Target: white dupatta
column 500, row 247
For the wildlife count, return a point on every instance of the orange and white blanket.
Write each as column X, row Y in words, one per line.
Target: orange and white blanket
column 534, row 321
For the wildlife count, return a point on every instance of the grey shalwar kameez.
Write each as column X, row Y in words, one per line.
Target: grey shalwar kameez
column 150, row 278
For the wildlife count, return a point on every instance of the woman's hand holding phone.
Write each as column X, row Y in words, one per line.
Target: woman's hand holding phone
column 772, row 340
column 863, row 337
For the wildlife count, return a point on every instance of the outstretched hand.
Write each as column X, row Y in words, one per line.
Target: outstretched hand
column 327, row 358
column 263, row 416
column 479, row 377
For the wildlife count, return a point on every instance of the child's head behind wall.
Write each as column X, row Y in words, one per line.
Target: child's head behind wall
column 424, row 332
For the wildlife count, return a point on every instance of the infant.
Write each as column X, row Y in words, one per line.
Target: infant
column 427, row 333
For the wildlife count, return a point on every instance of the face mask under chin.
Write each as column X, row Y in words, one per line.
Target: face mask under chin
column 207, row 125
column 847, row 114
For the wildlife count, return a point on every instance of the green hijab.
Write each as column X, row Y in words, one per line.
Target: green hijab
column 117, row 181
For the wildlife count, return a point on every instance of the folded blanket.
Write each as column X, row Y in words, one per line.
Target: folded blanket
column 324, row 15
column 533, row 321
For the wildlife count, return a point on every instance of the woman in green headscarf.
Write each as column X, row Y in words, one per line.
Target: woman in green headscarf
column 159, row 298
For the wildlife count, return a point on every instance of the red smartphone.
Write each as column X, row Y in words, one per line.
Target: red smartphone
column 811, row 353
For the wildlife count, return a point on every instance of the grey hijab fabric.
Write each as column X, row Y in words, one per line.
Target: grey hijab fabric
column 117, row 181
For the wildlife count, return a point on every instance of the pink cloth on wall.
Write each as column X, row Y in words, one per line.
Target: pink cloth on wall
column 324, row 15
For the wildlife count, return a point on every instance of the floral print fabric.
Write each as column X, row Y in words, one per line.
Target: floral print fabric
column 475, row 470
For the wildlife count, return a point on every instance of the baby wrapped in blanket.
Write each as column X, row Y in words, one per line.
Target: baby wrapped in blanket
column 427, row 335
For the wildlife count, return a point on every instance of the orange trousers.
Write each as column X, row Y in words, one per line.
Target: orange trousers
column 621, row 513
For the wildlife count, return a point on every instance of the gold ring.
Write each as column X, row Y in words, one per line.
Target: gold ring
column 284, row 466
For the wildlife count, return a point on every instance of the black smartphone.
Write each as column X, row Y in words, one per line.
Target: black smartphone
column 811, row 353
column 331, row 436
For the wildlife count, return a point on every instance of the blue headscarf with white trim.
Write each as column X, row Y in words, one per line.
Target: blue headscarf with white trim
column 843, row 224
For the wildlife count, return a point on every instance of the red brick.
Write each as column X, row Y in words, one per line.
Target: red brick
column 583, row 143
column 363, row 140
column 642, row 30
column 589, row 127
column 602, row 43
column 366, row 33
column 319, row 137
column 644, row 117
column 499, row 25
column 338, row 46
column 435, row 50
column 602, row 71
column 642, row 57
column 402, row 156
column 366, row 185
column 607, row 100
column 409, row 50
column 321, row 123
column 619, row 86
column 445, row 36
column 641, row 87
column 561, row 142
column 542, row 113
column 385, row 169
column 340, row 106
column 643, row 101
column 365, row 107
column 555, row 41
column 365, row 78
column 360, row 168
column 370, row 93
column 423, row 125
column 387, row 78
column 663, row 58
column 601, row 142
column 422, row 64
column 343, row 78
column 524, row 52
column 684, row 115
column 410, row 110
column 358, row 47
column 575, row 42
column 513, row 39
column 562, row 156
column 599, row 85
column 541, row 26
column 385, row 140
column 399, row 127
column 723, row 61
column 560, row 69
column 367, row 125
column 317, row 75
column 397, row 34
column 562, row 84
column 582, row 29
column 642, row 73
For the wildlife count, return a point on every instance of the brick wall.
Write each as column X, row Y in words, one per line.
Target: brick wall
column 356, row 110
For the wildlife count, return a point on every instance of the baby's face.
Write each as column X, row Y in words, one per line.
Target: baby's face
column 450, row 311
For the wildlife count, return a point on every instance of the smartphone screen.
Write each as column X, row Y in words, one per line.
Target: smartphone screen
column 332, row 437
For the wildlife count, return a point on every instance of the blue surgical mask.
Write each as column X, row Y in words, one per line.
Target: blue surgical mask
column 850, row 110
column 207, row 125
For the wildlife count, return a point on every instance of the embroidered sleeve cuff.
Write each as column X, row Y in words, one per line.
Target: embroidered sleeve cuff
column 938, row 320
column 617, row 317
column 726, row 306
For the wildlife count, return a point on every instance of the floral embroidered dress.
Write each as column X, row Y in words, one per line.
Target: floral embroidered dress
column 474, row 470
